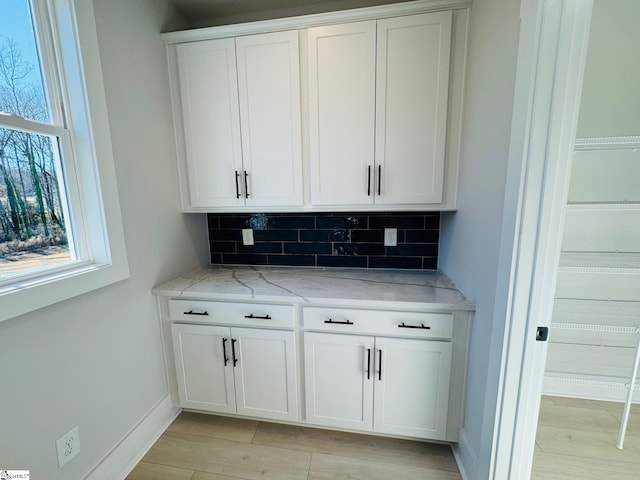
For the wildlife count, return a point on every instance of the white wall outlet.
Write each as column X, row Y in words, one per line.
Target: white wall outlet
column 390, row 237
column 247, row 236
column 68, row 446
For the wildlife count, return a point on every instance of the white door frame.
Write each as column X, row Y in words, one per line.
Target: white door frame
column 551, row 58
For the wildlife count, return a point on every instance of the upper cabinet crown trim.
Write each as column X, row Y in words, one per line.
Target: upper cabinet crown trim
column 305, row 21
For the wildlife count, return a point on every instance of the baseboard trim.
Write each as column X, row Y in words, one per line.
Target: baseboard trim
column 466, row 458
column 126, row 454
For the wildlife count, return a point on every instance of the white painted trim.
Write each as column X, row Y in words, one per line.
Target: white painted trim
column 465, row 457
column 550, row 80
column 305, row 21
column 126, row 454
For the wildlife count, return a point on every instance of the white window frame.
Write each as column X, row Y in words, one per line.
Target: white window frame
column 90, row 173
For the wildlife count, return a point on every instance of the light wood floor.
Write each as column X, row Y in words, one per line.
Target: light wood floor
column 577, row 440
column 207, row 447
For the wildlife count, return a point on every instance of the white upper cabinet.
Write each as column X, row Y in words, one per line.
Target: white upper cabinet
column 352, row 110
column 269, row 87
column 378, row 94
column 241, row 121
column 211, row 121
column 412, row 84
column 342, row 64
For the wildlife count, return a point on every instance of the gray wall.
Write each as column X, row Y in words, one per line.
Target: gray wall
column 470, row 242
column 96, row 361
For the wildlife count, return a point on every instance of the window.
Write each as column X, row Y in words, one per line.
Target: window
column 36, row 231
column 59, row 235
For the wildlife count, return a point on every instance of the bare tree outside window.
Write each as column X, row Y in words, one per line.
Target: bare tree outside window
column 33, row 232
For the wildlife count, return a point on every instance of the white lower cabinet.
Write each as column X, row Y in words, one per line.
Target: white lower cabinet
column 389, row 385
column 338, row 380
column 411, row 393
column 248, row 371
column 393, row 372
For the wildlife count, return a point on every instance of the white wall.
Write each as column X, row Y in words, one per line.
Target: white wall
column 610, row 101
column 470, row 242
column 95, row 361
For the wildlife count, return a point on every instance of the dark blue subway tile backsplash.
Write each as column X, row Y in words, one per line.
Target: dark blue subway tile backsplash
column 326, row 239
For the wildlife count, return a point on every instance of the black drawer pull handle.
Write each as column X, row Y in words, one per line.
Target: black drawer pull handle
column 421, row 326
column 224, row 351
column 233, row 351
column 368, row 180
column 237, row 187
column 191, row 312
column 337, row 322
column 380, row 365
column 246, row 186
column 260, row 317
column 368, row 363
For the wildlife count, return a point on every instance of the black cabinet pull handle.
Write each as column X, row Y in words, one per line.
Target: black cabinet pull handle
column 337, row 322
column 233, row 351
column 368, row 180
column 237, row 186
column 261, row 317
column 224, row 351
column 191, row 312
column 246, row 187
column 379, row 364
column 379, row 179
column 368, row 363
column 421, row 326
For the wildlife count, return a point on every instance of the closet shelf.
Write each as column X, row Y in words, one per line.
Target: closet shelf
column 577, row 379
column 607, row 143
column 596, row 328
column 619, row 263
column 603, row 206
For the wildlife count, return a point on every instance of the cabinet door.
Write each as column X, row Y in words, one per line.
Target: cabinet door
column 412, row 387
column 210, row 115
column 342, row 113
column 265, row 374
column 339, row 380
column 269, row 94
column 411, row 107
column 205, row 378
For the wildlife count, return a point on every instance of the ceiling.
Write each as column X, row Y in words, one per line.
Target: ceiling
column 202, row 13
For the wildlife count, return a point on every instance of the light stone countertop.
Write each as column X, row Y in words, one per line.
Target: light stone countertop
column 354, row 287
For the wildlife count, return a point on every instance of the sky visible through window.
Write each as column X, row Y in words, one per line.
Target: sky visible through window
column 15, row 24
column 32, row 214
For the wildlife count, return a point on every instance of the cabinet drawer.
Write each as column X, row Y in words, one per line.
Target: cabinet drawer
column 384, row 322
column 229, row 313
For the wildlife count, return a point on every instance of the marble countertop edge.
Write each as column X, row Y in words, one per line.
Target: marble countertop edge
column 311, row 301
column 360, row 288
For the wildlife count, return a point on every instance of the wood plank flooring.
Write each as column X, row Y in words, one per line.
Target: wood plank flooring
column 577, row 440
column 208, row 447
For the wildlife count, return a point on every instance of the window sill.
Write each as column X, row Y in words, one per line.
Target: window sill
column 29, row 295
